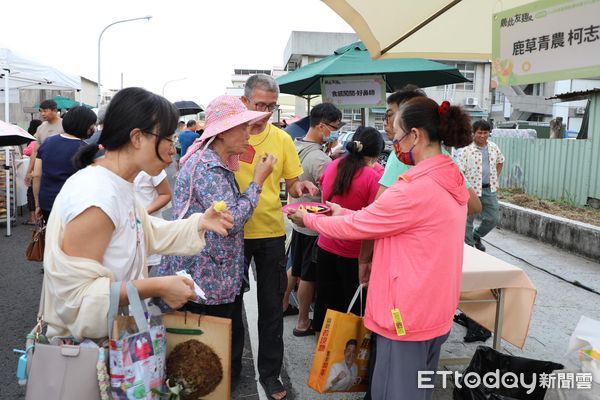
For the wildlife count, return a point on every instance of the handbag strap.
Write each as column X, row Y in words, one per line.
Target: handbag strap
column 358, row 291
column 135, row 304
column 40, row 313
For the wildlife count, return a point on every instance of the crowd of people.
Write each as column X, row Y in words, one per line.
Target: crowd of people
column 399, row 231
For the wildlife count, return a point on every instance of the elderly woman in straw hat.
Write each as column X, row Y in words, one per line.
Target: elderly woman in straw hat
column 206, row 180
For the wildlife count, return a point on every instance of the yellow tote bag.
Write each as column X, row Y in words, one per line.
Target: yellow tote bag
column 341, row 359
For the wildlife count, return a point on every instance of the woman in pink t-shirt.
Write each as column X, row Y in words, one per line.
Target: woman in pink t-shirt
column 352, row 182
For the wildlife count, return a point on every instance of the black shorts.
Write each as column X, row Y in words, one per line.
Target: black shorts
column 303, row 253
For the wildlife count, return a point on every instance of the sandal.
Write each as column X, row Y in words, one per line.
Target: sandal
column 272, row 386
column 310, row 331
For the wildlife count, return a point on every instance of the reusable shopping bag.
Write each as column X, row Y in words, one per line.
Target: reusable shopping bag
column 60, row 371
column 341, row 359
column 137, row 348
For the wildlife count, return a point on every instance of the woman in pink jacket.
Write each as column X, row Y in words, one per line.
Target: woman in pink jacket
column 418, row 226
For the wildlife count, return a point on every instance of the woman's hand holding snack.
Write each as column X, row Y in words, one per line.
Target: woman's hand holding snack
column 264, row 167
column 218, row 222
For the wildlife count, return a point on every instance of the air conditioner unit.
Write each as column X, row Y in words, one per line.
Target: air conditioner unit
column 471, row 101
column 580, row 110
column 356, row 117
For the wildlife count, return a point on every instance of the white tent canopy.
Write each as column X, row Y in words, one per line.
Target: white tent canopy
column 17, row 72
column 26, row 74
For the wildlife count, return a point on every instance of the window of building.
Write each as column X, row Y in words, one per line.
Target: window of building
column 535, row 89
column 468, row 70
column 352, row 120
column 536, row 117
column 251, row 71
column 376, row 120
column 351, row 117
column 497, row 97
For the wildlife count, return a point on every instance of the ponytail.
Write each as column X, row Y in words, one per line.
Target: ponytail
column 85, row 156
column 366, row 142
column 455, row 127
column 445, row 123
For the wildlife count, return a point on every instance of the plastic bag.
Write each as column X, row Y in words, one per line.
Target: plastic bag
column 503, row 369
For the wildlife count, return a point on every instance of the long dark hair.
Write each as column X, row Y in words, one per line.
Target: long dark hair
column 131, row 108
column 366, row 142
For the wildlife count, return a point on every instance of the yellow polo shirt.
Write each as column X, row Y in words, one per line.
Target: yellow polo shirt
column 267, row 220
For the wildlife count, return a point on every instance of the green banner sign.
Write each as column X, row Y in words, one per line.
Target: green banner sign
column 546, row 40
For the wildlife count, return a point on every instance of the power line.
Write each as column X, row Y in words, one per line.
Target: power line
column 574, row 283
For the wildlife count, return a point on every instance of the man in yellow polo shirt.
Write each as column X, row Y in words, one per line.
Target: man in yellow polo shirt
column 264, row 233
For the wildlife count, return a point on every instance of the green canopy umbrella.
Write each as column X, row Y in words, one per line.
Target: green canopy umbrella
column 354, row 59
column 64, row 103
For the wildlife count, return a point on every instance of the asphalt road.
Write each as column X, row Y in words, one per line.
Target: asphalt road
column 20, row 285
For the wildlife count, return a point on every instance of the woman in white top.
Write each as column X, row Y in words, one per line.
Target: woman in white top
column 98, row 233
column 154, row 192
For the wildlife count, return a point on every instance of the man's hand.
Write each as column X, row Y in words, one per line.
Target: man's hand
column 302, row 187
column 340, row 376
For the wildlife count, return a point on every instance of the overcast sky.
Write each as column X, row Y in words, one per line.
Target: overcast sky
column 200, row 40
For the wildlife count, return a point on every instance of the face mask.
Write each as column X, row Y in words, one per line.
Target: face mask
column 333, row 136
column 404, row 157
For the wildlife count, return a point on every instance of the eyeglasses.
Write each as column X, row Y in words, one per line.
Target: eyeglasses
column 388, row 114
column 171, row 141
column 335, row 128
column 265, row 107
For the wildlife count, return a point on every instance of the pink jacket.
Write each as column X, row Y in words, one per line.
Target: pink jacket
column 418, row 225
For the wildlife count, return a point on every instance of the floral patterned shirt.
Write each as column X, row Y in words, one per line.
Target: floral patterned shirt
column 219, row 268
column 470, row 162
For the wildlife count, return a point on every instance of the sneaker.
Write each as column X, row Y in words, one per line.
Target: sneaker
column 478, row 245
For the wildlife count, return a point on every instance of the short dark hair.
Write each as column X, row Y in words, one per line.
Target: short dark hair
column 406, row 93
column 132, row 108
column 190, row 123
column 78, row 120
column 48, row 105
column 482, row 125
column 351, row 342
column 33, row 125
column 324, row 112
column 181, row 122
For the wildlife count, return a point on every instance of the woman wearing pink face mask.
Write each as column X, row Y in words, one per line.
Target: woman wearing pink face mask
column 418, row 226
